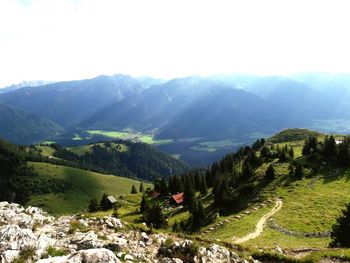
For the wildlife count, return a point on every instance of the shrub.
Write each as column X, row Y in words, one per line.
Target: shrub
column 26, row 255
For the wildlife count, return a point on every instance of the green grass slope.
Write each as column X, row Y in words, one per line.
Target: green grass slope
column 292, row 135
column 84, row 185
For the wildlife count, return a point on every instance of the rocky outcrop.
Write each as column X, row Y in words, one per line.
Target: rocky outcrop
column 101, row 255
column 33, row 234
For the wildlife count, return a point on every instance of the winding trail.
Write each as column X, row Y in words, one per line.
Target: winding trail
column 260, row 225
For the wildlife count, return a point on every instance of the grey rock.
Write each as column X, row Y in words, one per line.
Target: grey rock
column 9, row 255
column 12, row 237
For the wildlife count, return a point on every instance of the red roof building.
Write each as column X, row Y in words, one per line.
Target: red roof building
column 178, row 198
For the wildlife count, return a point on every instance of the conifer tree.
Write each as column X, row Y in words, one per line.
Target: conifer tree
column 329, row 147
column 141, row 189
column 197, row 214
column 310, row 146
column 133, row 189
column 270, row 173
column 344, row 152
column 265, row 153
column 247, row 171
column 189, row 193
column 282, row 156
column 340, row 233
column 153, row 214
column 203, row 186
column 291, row 152
column 104, row 203
column 93, row 205
column 161, row 187
column 143, row 204
column 291, row 170
column 299, row 171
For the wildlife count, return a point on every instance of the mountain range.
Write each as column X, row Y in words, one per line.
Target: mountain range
column 194, row 108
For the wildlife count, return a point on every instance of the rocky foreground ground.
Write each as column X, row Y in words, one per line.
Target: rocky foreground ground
column 31, row 235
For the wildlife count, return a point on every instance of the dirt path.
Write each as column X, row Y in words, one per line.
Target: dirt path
column 260, row 225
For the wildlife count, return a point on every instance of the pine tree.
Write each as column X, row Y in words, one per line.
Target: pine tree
column 161, row 187
column 133, row 189
column 282, row 156
column 153, row 215
column 247, row 171
column 265, row 153
column 189, row 193
column 253, row 160
column 310, row 146
column 340, row 233
column 329, row 147
column 203, row 186
column 344, row 152
column 104, row 203
column 270, row 173
column 222, row 194
column 291, row 170
column 141, row 189
column 291, row 152
column 197, row 214
column 299, row 171
column 93, row 205
column 143, row 204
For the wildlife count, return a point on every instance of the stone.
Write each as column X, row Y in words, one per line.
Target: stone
column 62, row 259
column 99, row 255
column 42, row 244
column 170, row 260
column 12, row 237
column 144, row 236
column 86, row 240
column 278, row 250
column 128, row 257
column 9, row 255
column 121, row 241
column 142, row 244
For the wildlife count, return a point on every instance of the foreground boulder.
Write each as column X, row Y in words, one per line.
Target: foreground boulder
column 99, row 255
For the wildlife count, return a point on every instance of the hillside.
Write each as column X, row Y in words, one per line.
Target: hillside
column 18, row 126
column 290, row 135
column 83, row 185
column 123, row 158
column 292, row 208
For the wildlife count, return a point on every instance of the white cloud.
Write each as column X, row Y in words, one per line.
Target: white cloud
column 66, row 39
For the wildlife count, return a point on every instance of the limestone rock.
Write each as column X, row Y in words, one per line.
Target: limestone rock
column 9, row 255
column 86, row 240
column 12, row 237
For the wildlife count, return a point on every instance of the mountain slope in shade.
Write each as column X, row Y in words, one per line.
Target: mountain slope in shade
column 21, row 127
column 70, row 102
column 154, row 107
column 190, row 107
column 224, row 112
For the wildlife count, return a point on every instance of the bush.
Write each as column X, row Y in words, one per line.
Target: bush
column 54, row 252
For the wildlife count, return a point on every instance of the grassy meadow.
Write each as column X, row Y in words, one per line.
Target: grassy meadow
column 84, row 185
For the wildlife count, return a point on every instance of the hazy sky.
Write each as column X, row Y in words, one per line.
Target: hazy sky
column 74, row 39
